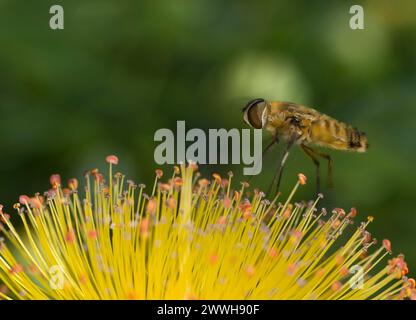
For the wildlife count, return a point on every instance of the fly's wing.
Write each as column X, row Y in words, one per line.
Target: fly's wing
column 300, row 111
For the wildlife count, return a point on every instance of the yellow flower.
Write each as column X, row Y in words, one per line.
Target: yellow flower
column 189, row 239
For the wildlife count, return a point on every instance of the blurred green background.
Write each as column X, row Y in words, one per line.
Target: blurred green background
column 120, row 70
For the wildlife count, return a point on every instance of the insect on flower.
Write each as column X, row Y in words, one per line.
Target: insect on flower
column 305, row 127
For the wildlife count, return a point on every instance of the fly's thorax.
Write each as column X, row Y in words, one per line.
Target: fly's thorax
column 276, row 116
column 287, row 131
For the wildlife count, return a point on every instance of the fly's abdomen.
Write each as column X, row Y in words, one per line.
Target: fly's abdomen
column 330, row 133
column 357, row 140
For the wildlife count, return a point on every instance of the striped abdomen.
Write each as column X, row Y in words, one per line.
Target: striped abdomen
column 330, row 133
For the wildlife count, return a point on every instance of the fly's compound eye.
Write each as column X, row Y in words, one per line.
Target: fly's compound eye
column 254, row 113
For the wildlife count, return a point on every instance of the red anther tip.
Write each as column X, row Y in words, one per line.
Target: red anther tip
column 217, row 177
column 55, row 180
column 178, row 182
column 203, row 183
column 159, row 173
column 70, row 236
column 112, row 159
column 24, row 199
column 302, row 178
column 73, row 184
column 92, row 234
column 412, row 283
column 151, row 206
column 387, row 245
column 352, row 213
column 35, row 203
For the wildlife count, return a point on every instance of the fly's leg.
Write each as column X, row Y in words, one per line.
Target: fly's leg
column 310, row 154
column 274, row 141
column 279, row 172
column 330, row 163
